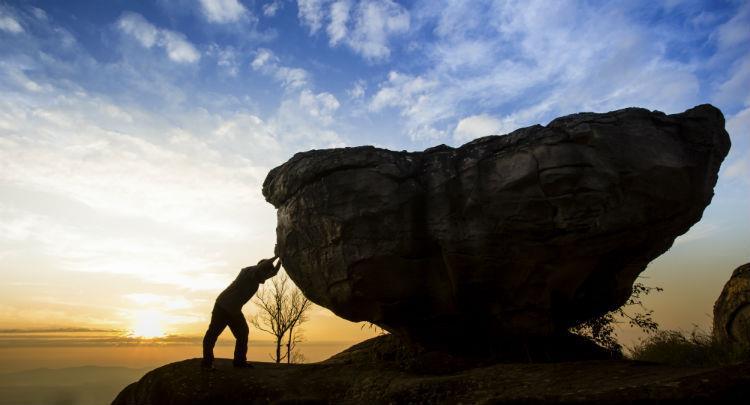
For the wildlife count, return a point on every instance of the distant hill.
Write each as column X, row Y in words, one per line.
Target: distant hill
column 87, row 385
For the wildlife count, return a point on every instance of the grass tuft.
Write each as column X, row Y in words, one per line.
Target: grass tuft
column 696, row 348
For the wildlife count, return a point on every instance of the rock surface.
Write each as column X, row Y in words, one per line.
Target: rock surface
column 732, row 309
column 524, row 234
column 364, row 374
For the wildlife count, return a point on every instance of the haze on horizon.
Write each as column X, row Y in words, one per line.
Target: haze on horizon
column 135, row 136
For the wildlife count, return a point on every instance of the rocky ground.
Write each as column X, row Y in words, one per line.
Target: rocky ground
column 367, row 374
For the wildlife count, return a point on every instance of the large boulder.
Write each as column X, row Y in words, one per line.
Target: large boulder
column 519, row 235
column 732, row 309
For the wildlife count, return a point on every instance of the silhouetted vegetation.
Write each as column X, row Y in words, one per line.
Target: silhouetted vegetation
column 602, row 329
column 282, row 309
column 696, row 348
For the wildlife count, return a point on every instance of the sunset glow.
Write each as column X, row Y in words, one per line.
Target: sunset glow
column 148, row 324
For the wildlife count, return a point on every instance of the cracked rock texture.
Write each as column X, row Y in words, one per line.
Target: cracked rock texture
column 519, row 235
column 732, row 309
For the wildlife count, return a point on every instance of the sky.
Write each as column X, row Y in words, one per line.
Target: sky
column 135, row 136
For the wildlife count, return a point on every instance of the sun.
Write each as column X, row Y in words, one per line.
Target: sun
column 148, row 324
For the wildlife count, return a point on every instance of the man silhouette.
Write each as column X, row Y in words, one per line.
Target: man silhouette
column 228, row 311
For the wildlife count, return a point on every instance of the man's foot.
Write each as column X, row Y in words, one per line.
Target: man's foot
column 207, row 366
column 242, row 364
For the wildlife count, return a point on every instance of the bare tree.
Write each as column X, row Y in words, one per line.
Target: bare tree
column 281, row 309
column 298, row 307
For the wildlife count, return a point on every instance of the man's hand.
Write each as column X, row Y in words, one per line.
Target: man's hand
column 266, row 269
column 273, row 269
column 267, row 262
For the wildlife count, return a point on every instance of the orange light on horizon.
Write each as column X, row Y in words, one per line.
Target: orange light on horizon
column 148, row 325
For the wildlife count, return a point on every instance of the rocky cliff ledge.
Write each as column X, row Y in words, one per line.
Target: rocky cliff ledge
column 367, row 374
column 519, row 235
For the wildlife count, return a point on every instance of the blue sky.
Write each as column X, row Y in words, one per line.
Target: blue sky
column 134, row 136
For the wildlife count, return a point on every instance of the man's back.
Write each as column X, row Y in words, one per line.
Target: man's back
column 240, row 291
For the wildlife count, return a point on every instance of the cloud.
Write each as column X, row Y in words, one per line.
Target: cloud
column 270, row 9
column 9, row 24
column 735, row 89
column 69, row 329
column 311, row 13
column 375, row 23
column 39, row 13
column 89, row 337
column 357, row 90
column 734, row 32
column 15, row 74
column 739, row 169
column 227, row 58
column 401, row 90
column 305, row 116
column 223, row 11
column 291, row 78
column 320, row 106
column 697, row 232
column 415, row 97
column 365, row 27
column 177, row 47
column 306, row 119
column 531, row 62
column 80, row 165
column 136, row 26
column 476, row 126
column 339, row 17
column 738, row 125
column 166, row 302
column 737, row 166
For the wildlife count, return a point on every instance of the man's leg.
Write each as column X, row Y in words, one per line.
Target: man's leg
column 238, row 326
column 217, row 325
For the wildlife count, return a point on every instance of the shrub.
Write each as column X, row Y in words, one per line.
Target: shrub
column 602, row 328
column 696, row 348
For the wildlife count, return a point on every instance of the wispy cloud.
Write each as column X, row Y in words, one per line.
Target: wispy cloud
column 267, row 63
column 271, row 8
column 82, row 337
column 374, row 23
column 698, row 232
column 533, row 47
column 227, row 58
column 9, row 24
column 365, row 26
column 177, row 47
column 304, row 116
column 68, row 329
column 357, row 91
column 223, row 11
column 337, row 29
column 312, row 13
